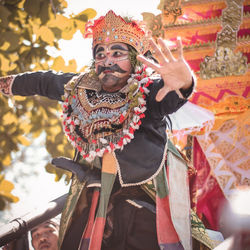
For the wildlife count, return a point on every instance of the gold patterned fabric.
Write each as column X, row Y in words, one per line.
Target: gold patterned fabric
column 199, row 234
column 227, row 151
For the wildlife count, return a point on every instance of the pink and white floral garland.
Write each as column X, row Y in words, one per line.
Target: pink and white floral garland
column 142, row 78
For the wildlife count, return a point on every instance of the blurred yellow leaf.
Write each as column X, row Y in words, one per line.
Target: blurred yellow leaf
column 44, row 113
column 5, row 190
column 6, row 65
column 83, row 69
column 61, row 22
column 55, row 130
column 2, row 143
column 26, row 127
column 47, row 35
column 60, row 147
column 64, row 4
column 66, row 26
column 81, row 26
column 86, row 15
column 19, row 98
column 58, row 64
column 7, row 160
column 20, row 4
column 72, row 66
column 13, row 57
column 57, row 171
column 68, row 33
column 5, row 45
column 37, row 133
column 23, row 140
column 24, row 48
column 9, row 118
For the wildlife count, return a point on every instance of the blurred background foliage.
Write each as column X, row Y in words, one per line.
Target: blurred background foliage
column 27, row 28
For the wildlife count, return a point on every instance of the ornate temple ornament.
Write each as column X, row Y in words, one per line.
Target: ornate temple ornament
column 171, row 9
column 154, row 24
column 226, row 62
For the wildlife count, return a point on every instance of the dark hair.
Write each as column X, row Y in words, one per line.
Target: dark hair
column 52, row 222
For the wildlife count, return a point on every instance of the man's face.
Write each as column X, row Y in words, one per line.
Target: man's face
column 45, row 237
column 112, row 65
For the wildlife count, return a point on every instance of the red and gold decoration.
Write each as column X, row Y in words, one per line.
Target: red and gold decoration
column 98, row 123
column 112, row 28
column 6, row 85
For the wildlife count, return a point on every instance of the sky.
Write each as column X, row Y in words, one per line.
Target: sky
column 33, row 185
column 79, row 48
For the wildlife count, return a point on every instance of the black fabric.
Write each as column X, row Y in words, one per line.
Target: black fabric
column 128, row 226
column 170, row 103
column 73, row 236
column 77, row 225
column 141, row 158
column 133, row 229
column 44, row 83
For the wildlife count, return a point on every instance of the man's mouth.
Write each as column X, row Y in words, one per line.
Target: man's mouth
column 44, row 245
column 107, row 71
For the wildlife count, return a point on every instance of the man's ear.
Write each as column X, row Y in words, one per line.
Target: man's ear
column 32, row 242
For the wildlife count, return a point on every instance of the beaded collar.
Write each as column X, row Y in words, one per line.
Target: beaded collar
column 96, row 122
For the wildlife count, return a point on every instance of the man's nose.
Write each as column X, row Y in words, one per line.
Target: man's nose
column 108, row 61
column 43, row 237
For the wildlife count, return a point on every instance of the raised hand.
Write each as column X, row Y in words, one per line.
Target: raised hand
column 175, row 72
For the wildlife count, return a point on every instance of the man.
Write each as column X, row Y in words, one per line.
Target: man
column 45, row 236
column 115, row 118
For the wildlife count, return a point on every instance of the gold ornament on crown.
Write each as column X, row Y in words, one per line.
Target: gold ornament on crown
column 112, row 28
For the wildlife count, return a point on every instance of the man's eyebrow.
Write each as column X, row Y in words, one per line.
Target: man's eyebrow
column 99, row 49
column 116, row 46
column 33, row 231
column 50, row 226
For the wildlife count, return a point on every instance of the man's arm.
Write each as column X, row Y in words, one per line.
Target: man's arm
column 44, row 83
column 170, row 103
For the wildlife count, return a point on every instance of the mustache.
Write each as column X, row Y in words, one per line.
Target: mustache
column 44, row 243
column 113, row 68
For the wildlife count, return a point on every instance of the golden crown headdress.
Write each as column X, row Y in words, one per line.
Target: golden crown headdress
column 112, row 28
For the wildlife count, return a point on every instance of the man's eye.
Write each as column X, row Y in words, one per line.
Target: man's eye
column 100, row 56
column 36, row 236
column 117, row 54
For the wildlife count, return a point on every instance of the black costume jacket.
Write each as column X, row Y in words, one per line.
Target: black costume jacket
column 141, row 159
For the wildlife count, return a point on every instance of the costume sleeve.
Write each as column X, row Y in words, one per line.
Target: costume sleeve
column 171, row 102
column 44, row 83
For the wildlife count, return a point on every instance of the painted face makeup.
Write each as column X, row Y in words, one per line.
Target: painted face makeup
column 113, row 66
